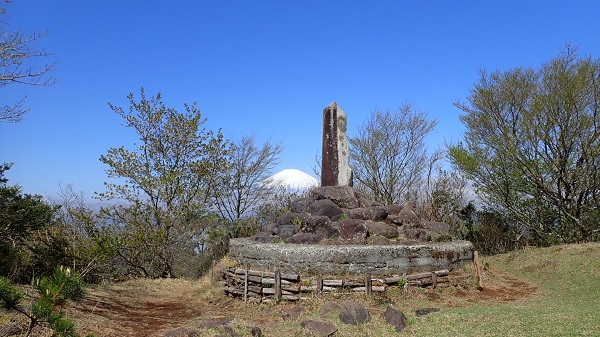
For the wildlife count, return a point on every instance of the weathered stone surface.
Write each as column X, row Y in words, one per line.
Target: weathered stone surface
column 327, row 231
column 305, row 238
column 329, row 308
column 327, row 208
column 395, row 318
column 293, row 312
column 393, row 209
column 320, row 328
column 417, row 234
column 213, row 322
column 420, row 312
column 265, row 237
column 378, row 240
column 181, row 332
column 353, row 229
column 314, row 222
column 359, row 213
column 437, row 227
column 382, row 229
column 353, row 313
column 342, row 196
column 301, row 205
column 285, row 231
column 292, row 218
column 378, row 213
column 350, row 259
column 323, row 329
column 335, row 170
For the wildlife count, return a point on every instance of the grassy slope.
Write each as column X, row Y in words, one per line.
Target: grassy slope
column 567, row 301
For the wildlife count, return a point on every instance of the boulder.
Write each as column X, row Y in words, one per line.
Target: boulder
column 292, row 218
column 437, row 227
column 378, row 213
column 395, row 318
column 301, row 205
column 285, row 231
column 314, row 222
column 320, row 328
column 353, row 313
column 416, row 234
column 382, row 229
column 330, row 307
column 305, row 238
column 327, row 208
column 293, row 312
column 342, row 196
column 359, row 213
column 353, row 230
column 393, row 209
column 327, row 231
column 378, row 240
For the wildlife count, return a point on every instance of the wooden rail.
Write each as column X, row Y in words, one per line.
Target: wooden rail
column 267, row 286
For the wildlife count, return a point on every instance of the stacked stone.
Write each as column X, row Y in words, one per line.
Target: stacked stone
column 340, row 215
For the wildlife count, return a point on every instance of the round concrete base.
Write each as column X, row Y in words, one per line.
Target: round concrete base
column 350, row 259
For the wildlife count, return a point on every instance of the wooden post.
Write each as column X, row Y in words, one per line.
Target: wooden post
column 405, row 286
column 478, row 270
column 368, row 284
column 434, row 280
column 246, row 287
column 277, row 286
column 319, row 284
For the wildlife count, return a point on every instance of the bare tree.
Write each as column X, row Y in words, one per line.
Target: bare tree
column 16, row 57
column 245, row 187
column 388, row 156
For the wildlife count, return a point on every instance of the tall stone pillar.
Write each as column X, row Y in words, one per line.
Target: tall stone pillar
column 335, row 168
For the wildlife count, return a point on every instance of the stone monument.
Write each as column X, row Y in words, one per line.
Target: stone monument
column 335, row 168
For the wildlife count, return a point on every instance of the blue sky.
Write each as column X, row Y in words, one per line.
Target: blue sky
column 263, row 67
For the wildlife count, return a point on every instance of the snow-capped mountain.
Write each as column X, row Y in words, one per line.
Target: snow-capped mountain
column 293, row 179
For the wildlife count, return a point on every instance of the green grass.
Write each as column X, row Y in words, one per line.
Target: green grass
column 566, row 301
column 567, row 304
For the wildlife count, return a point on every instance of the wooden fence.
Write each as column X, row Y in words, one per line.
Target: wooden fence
column 268, row 286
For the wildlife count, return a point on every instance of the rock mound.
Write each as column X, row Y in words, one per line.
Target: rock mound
column 341, row 215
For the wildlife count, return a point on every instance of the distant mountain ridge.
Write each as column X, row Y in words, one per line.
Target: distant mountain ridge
column 293, row 179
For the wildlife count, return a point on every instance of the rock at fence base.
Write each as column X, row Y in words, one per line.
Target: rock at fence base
column 255, row 331
column 293, row 312
column 213, row 322
column 354, row 313
column 320, row 328
column 353, row 230
column 327, row 208
column 181, row 332
column 395, row 318
column 420, row 312
column 305, row 238
column 382, row 229
column 330, row 307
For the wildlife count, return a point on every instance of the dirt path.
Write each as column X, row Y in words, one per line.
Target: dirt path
column 149, row 308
